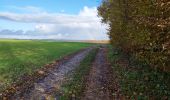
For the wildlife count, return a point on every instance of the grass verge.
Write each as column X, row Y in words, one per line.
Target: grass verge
column 75, row 87
column 139, row 81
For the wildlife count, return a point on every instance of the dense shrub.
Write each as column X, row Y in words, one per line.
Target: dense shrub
column 140, row 28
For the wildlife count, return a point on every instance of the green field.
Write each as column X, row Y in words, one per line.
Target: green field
column 18, row 57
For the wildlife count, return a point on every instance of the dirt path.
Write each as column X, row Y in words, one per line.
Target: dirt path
column 43, row 88
column 99, row 80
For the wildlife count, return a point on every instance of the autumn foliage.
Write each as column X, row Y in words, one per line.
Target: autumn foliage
column 140, row 28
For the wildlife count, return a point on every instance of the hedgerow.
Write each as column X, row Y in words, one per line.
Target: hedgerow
column 140, row 28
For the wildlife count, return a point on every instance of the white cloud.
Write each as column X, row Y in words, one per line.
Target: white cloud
column 84, row 25
column 45, row 28
column 48, row 18
column 25, row 9
column 88, row 12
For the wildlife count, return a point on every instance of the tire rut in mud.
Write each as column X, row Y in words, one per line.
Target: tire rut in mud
column 99, row 84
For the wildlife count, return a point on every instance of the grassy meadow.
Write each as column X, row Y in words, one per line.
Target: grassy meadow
column 18, row 57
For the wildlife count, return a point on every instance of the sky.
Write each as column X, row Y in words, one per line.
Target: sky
column 51, row 19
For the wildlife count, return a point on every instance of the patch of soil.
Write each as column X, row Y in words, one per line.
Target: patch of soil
column 99, row 83
column 44, row 81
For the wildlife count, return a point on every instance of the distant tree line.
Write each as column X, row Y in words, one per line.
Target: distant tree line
column 140, row 28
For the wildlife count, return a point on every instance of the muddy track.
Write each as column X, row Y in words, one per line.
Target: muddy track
column 55, row 78
column 99, row 83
